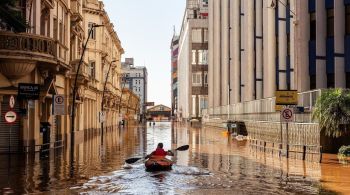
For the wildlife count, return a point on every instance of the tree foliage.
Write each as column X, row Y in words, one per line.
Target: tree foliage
column 332, row 110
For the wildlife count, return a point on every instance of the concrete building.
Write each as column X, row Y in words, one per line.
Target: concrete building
column 174, row 49
column 257, row 47
column 136, row 81
column 193, row 60
column 47, row 55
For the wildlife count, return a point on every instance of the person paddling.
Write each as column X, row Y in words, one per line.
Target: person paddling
column 160, row 152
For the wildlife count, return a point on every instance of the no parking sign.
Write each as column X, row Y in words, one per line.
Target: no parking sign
column 287, row 115
column 59, row 105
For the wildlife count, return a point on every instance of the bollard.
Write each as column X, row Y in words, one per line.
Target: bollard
column 304, row 152
column 321, row 151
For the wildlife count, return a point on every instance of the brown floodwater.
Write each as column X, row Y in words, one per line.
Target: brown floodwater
column 214, row 164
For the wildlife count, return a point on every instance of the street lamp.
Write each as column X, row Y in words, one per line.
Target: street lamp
column 124, row 79
column 103, row 93
column 75, row 83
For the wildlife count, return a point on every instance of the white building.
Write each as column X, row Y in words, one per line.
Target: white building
column 257, row 47
column 136, row 80
column 192, row 60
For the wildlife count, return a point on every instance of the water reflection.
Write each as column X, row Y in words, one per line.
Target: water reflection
column 214, row 164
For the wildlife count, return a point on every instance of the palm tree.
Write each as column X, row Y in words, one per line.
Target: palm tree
column 332, row 110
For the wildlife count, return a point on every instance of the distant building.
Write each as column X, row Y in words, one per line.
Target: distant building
column 159, row 113
column 136, row 80
column 174, row 81
column 193, row 61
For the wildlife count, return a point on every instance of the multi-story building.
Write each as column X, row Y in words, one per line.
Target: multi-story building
column 47, row 54
column 136, row 81
column 174, row 49
column 257, row 47
column 193, row 60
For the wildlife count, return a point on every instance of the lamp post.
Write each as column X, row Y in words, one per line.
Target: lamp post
column 103, row 93
column 124, row 79
column 75, row 83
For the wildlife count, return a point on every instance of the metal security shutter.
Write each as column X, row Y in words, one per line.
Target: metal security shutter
column 5, row 129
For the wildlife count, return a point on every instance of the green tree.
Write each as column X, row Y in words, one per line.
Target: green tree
column 12, row 15
column 332, row 110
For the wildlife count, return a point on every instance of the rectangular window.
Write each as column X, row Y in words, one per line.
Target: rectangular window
column 61, row 32
column 55, row 33
column 194, row 57
column 193, row 105
column 205, row 35
column 206, row 79
column 330, row 22
column 313, row 26
column 197, row 79
column 93, row 33
column 197, row 35
column 202, row 57
column 347, row 20
column 93, row 70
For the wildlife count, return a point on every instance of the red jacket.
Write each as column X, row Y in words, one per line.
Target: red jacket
column 159, row 152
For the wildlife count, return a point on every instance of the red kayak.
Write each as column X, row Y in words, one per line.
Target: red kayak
column 158, row 163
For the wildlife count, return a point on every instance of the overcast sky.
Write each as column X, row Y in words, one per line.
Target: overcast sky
column 145, row 28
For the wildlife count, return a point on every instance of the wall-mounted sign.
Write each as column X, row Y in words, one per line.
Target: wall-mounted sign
column 149, row 104
column 59, row 105
column 28, row 91
column 286, row 97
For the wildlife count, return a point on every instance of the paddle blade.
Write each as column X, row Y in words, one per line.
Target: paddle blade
column 132, row 160
column 183, row 148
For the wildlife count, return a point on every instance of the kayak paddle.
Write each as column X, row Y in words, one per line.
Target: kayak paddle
column 133, row 160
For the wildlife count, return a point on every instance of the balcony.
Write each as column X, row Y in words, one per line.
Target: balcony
column 84, row 76
column 76, row 13
column 20, row 53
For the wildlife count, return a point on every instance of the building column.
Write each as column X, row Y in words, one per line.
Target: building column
column 339, row 34
column 217, row 47
column 270, row 45
column 258, row 48
column 282, row 45
column 225, row 51
column 211, row 54
column 235, row 69
column 243, row 39
column 292, row 38
column 250, row 51
column 301, row 46
column 321, row 29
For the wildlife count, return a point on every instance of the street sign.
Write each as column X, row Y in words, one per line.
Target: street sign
column 285, row 97
column 287, row 115
column 149, row 104
column 12, row 102
column 101, row 117
column 10, row 117
column 59, row 105
column 28, row 91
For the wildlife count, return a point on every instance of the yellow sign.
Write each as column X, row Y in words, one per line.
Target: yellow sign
column 286, row 97
column 278, row 108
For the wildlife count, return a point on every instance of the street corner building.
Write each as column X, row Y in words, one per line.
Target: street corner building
column 38, row 65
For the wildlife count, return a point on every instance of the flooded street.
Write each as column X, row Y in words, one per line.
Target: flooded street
column 214, row 164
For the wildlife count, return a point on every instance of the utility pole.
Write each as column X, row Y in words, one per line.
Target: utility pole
column 75, row 84
column 103, row 93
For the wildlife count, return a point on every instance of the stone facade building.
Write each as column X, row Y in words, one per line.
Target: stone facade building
column 174, row 49
column 48, row 54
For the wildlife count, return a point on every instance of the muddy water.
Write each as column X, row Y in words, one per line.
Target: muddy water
column 214, row 164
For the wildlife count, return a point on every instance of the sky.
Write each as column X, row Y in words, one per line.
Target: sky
column 145, row 28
